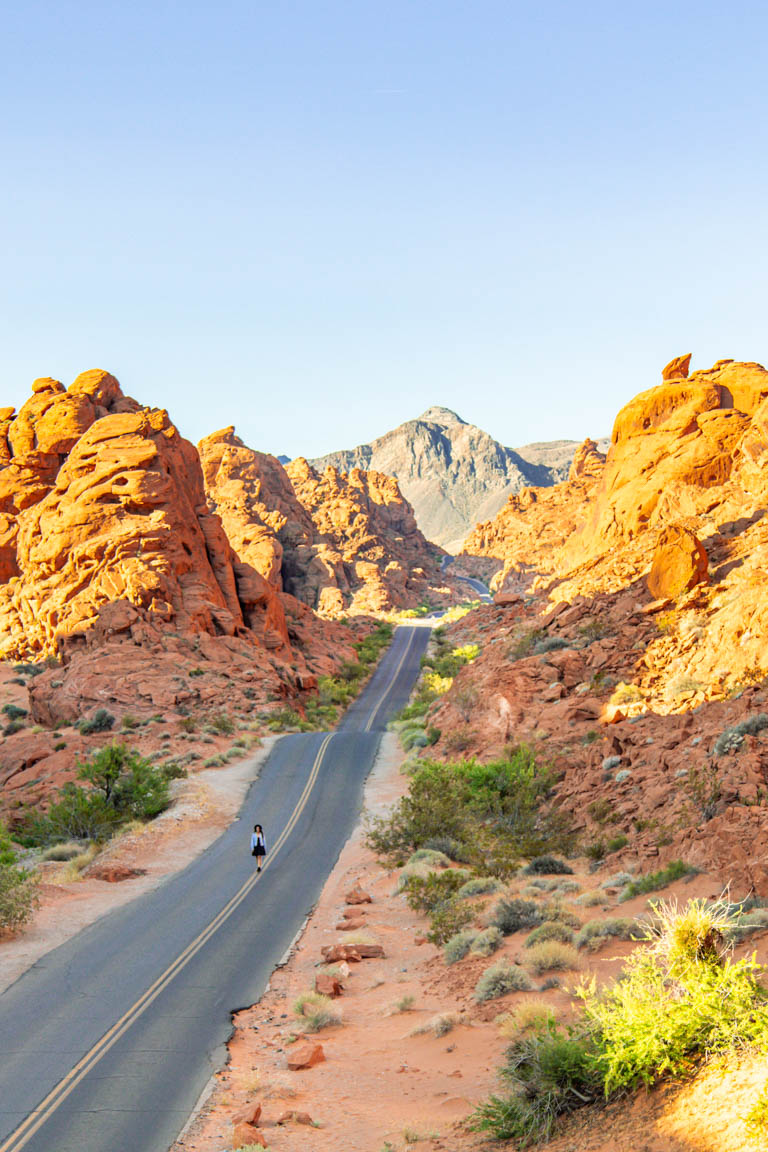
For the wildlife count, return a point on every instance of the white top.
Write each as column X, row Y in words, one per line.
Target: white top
column 257, row 838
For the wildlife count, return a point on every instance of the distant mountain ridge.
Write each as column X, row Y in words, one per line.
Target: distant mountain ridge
column 453, row 473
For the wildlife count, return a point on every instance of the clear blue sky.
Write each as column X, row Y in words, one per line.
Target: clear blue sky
column 316, row 219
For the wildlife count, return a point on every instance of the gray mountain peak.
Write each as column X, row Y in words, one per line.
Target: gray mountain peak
column 453, row 473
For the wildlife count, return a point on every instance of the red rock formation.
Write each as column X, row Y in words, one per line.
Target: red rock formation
column 339, row 543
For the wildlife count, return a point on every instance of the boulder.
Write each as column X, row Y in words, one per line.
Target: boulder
column 305, row 1054
column 679, row 563
column 333, row 953
column 351, row 925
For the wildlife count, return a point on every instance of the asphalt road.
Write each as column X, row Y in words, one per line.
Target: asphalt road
column 108, row 1041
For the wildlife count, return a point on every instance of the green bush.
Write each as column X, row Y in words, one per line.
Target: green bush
column 447, row 919
column 479, row 886
column 756, row 1120
column 551, row 930
column 424, row 893
column 549, row 1073
column 19, row 897
column 654, row 881
column 122, row 786
column 101, row 721
column 514, row 915
column 547, row 866
column 499, row 980
column 14, row 712
column 595, row 932
column 655, row 1023
column 458, row 946
column 486, row 942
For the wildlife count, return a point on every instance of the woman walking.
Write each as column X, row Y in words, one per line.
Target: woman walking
column 258, row 845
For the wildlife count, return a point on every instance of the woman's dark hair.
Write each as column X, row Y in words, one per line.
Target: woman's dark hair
column 258, row 828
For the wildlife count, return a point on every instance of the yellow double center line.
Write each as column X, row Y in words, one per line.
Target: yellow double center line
column 58, row 1095
column 386, row 691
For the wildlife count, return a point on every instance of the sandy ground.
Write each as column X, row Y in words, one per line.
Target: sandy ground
column 205, row 803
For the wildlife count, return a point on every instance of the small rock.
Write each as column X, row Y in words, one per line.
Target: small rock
column 244, row 1135
column 295, row 1117
column 350, row 925
column 305, row 1054
column 357, row 896
column 248, row 1115
column 328, row 985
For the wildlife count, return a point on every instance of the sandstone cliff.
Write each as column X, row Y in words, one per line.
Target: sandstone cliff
column 340, row 543
column 629, row 630
column 451, row 472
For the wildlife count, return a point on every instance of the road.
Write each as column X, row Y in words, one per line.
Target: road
column 107, row 1042
column 475, row 585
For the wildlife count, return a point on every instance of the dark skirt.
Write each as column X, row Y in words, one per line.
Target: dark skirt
column 259, row 850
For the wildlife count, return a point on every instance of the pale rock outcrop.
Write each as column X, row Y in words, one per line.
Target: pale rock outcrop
column 679, row 563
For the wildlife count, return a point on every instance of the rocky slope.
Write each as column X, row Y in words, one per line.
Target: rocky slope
column 453, row 473
column 628, row 635
column 339, row 542
column 116, row 573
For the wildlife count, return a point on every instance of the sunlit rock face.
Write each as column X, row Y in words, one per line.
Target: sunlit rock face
column 339, row 542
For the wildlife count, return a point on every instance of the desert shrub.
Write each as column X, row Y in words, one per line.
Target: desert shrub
column 122, row 786
column 458, row 946
column 19, row 897
column 525, row 643
column 188, row 723
column 626, row 693
column 128, row 722
column 424, row 893
column 530, row 1016
column 551, row 956
column 749, row 922
column 549, row 1074
column 616, row 843
column 554, row 911
column 13, row 726
column 404, row 1004
column 540, row 884
column 222, row 723
column 100, row 721
column 513, row 915
column 550, row 930
column 446, row 919
column 590, row 899
column 547, row 866
column 601, row 811
column 494, row 809
column 486, row 942
column 567, row 887
column 479, row 886
column 14, row 712
column 681, row 998
column 7, row 847
column 654, row 881
column 595, row 932
column 450, row 848
column 431, row 856
column 549, row 644
column 500, row 979
column 62, row 852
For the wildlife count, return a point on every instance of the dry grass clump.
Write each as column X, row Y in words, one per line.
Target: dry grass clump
column 439, row 1025
column 459, row 945
column 530, row 1016
column 404, row 1004
column 61, row 853
column 590, row 899
column 551, row 956
column 316, row 1011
